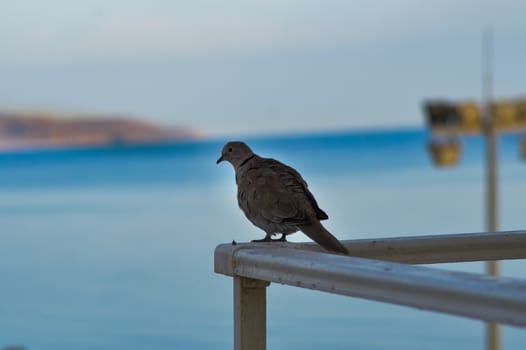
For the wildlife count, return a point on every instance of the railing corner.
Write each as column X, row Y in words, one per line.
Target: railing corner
column 223, row 257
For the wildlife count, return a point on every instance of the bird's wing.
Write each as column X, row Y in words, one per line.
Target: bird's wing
column 292, row 179
column 279, row 193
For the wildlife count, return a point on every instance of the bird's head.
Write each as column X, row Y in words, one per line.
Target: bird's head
column 235, row 152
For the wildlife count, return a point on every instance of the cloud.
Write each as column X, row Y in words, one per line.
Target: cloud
column 245, row 65
column 97, row 29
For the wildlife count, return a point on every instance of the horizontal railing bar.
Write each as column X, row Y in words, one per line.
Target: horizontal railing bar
column 444, row 248
column 464, row 294
column 439, row 248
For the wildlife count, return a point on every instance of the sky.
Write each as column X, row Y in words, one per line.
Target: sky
column 244, row 67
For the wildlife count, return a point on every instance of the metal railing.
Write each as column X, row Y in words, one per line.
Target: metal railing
column 376, row 268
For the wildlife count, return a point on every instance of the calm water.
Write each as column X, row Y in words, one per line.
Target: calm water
column 113, row 248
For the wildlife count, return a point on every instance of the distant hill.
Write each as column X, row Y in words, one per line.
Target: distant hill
column 34, row 130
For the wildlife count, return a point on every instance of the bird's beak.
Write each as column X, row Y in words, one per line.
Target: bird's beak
column 219, row 160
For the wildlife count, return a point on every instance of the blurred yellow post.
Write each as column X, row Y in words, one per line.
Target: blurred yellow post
column 449, row 121
column 492, row 267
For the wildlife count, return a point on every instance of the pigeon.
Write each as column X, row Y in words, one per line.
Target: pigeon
column 274, row 197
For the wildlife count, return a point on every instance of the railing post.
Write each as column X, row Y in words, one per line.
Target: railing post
column 250, row 314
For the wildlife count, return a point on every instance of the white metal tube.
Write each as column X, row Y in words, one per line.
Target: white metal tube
column 463, row 294
column 414, row 249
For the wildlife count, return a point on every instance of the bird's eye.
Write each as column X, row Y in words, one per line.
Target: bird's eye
column 230, row 149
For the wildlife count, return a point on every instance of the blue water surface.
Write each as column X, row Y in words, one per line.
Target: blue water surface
column 112, row 248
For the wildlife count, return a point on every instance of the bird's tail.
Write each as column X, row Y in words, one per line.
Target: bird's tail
column 320, row 235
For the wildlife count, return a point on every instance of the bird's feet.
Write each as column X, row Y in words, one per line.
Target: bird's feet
column 268, row 238
column 283, row 238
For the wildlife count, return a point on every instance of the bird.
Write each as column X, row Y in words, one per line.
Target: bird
column 275, row 198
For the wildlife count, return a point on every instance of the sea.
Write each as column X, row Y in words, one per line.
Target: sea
column 112, row 248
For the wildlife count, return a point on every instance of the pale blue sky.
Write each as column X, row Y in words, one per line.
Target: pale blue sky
column 245, row 67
